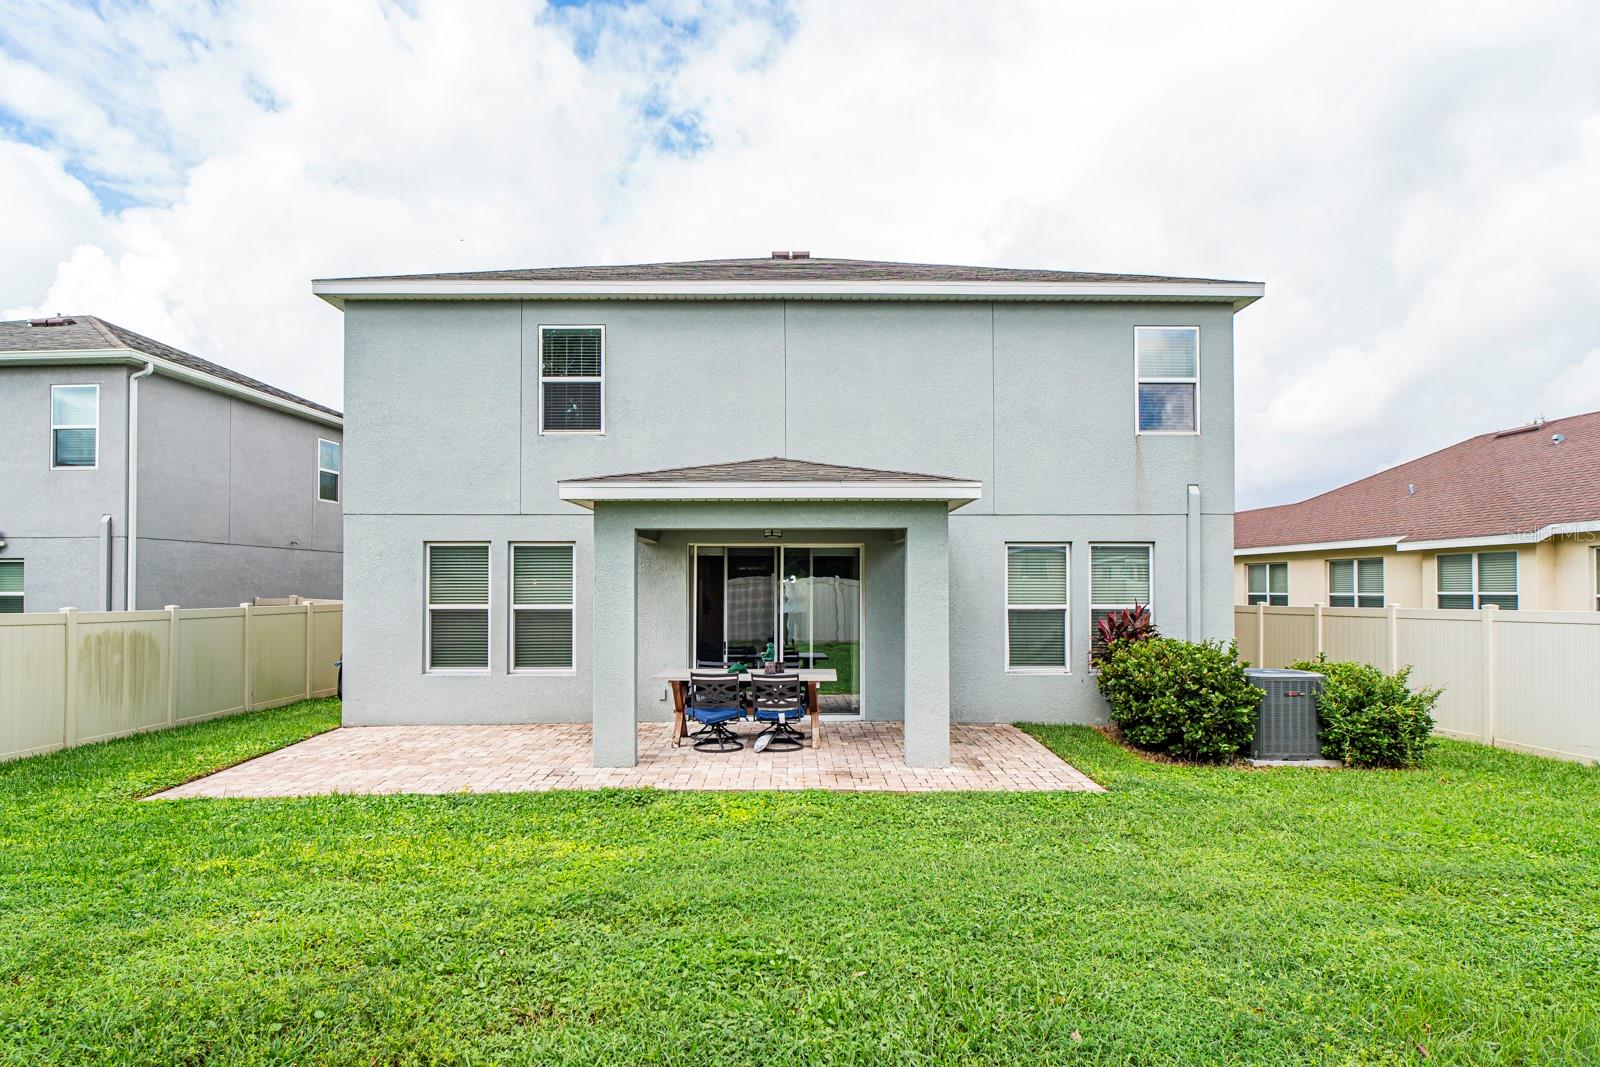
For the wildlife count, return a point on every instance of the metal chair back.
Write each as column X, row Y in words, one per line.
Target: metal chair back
column 777, row 692
column 713, row 690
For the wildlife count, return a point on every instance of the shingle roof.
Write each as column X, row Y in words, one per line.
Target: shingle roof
column 88, row 333
column 1514, row 481
column 772, row 469
column 779, row 270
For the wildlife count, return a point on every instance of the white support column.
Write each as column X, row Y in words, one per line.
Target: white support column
column 615, row 708
column 927, row 643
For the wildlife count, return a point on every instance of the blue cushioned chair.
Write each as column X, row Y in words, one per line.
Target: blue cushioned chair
column 778, row 699
column 714, row 701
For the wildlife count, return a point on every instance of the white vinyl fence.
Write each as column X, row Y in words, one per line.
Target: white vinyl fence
column 1526, row 680
column 71, row 677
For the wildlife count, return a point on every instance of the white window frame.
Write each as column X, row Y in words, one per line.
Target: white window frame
column 1249, row 592
column 95, row 426
column 1596, row 579
column 22, row 596
column 1476, row 592
column 427, row 598
column 1150, row 548
column 604, row 360
column 1355, row 578
column 338, row 491
column 512, row 607
column 1064, row 608
column 1138, row 380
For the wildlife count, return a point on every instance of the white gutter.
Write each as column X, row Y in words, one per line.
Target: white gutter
column 1318, row 546
column 1544, row 533
column 336, row 290
column 585, row 494
column 130, row 599
column 168, row 369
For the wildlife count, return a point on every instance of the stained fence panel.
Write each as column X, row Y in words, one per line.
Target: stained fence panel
column 71, row 677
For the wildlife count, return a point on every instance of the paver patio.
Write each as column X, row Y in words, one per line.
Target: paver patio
column 535, row 758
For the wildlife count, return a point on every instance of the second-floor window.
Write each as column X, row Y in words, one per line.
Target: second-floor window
column 572, row 384
column 74, row 425
column 328, row 470
column 1355, row 583
column 1167, row 369
column 1267, row 583
column 1475, row 580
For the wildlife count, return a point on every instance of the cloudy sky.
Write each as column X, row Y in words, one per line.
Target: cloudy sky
column 1418, row 185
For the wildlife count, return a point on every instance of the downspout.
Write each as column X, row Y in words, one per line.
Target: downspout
column 1195, row 617
column 130, row 600
column 105, row 563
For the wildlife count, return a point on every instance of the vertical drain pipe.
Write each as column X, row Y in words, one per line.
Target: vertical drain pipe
column 105, row 563
column 130, row 598
column 1194, row 615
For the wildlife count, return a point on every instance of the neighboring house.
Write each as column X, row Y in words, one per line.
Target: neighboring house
column 558, row 487
column 216, row 490
column 1509, row 518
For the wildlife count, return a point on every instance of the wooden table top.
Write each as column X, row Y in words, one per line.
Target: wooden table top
column 681, row 674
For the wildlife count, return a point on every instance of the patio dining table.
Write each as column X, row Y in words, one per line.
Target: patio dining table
column 679, row 680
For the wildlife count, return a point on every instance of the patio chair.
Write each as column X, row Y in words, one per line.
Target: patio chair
column 714, row 701
column 778, row 699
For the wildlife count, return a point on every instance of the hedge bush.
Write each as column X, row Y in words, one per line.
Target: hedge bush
column 1370, row 719
column 1187, row 700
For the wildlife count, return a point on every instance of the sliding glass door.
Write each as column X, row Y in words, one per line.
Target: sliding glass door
column 805, row 601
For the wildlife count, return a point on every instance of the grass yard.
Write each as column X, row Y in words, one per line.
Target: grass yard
column 1189, row 915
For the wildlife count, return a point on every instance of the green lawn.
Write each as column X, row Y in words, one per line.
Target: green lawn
column 1188, row 915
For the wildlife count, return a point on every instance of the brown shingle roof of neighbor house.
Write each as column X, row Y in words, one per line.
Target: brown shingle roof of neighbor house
column 772, row 469
column 1512, row 482
column 82, row 333
column 775, row 269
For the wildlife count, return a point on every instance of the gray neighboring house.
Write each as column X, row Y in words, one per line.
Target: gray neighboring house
column 137, row 474
column 568, row 480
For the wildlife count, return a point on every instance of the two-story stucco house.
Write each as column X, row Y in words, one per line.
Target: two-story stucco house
column 934, row 478
column 138, row 475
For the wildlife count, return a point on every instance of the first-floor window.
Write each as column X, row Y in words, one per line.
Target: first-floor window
column 1036, row 607
column 1119, row 578
column 10, row 586
column 458, row 607
column 1267, row 583
column 1478, row 579
column 541, row 607
column 1355, row 583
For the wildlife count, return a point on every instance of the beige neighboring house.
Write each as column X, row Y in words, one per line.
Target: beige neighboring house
column 1509, row 518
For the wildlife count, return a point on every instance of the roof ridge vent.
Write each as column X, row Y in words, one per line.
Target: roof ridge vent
column 779, row 254
column 53, row 320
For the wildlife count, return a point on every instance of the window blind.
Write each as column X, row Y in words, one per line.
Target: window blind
column 1036, row 574
column 1342, row 578
column 1167, row 351
column 570, row 406
column 569, row 352
column 458, row 574
column 458, row 640
column 541, row 574
column 1119, row 575
column 1037, row 639
column 1369, row 581
column 1455, row 574
column 542, row 641
column 74, row 448
column 1497, row 572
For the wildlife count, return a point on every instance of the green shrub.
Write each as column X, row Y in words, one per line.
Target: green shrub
column 1370, row 719
column 1187, row 700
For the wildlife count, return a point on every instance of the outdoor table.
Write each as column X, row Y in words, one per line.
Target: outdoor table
column 679, row 679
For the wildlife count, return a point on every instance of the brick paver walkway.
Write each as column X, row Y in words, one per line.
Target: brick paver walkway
column 503, row 759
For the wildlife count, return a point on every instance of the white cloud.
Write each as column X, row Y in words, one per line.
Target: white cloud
column 1417, row 189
